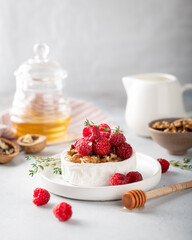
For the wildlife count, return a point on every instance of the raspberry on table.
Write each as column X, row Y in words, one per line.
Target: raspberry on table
column 124, row 151
column 104, row 132
column 164, row 164
column 118, row 179
column 134, row 176
column 40, row 196
column 117, row 139
column 102, row 146
column 62, row 211
column 91, row 133
column 84, row 148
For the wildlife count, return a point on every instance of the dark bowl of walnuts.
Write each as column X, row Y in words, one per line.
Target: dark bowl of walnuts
column 173, row 134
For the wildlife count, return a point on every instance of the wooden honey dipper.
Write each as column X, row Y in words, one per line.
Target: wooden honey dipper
column 137, row 198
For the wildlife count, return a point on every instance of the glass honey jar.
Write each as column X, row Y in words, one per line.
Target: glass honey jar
column 40, row 105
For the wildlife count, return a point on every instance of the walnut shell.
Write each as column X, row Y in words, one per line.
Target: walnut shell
column 36, row 146
column 7, row 158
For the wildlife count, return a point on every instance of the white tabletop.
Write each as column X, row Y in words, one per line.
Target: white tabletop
column 168, row 217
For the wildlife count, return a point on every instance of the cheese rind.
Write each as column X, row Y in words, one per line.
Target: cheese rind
column 94, row 174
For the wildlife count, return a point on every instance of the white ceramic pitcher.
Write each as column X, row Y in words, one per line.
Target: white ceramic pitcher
column 152, row 96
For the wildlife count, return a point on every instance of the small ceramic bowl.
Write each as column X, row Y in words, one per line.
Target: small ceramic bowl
column 176, row 143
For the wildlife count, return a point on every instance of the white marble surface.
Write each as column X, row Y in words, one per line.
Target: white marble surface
column 168, row 217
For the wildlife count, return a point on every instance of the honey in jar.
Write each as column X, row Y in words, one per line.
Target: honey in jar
column 40, row 105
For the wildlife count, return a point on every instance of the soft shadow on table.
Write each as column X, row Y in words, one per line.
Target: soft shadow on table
column 74, row 222
column 152, row 204
column 189, row 153
column 172, row 177
column 109, row 203
column 19, row 159
column 48, row 206
column 169, row 177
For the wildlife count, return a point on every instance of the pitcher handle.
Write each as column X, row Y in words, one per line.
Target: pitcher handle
column 187, row 87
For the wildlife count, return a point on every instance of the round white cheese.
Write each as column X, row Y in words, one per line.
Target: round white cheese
column 94, row 174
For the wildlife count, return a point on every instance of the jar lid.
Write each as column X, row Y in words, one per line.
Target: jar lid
column 40, row 67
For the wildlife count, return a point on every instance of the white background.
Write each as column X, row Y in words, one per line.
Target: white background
column 98, row 41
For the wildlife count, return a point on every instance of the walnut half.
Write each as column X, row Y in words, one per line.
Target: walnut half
column 6, row 149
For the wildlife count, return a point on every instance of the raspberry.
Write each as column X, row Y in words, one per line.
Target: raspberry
column 117, row 139
column 102, row 146
column 134, row 177
column 79, row 141
column 62, row 211
column 40, row 196
column 84, row 148
column 103, row 132
column 91, row 133
column 124, row 151
column 118, row 179
column 164, row 164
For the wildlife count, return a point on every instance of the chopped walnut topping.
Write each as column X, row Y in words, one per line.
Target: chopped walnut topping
column 6, row 149
column 177, row 126
column 73, row 156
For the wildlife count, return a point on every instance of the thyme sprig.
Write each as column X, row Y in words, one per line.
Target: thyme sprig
column 183, row 164
column 40, row 163
column 91, row 123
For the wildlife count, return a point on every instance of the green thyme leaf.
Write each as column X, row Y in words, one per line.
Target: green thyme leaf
column 182, row 164
column 40, row 166
column 186, row 160
column 105, row 129
column 87, row 123
column 117, row 129
column 57, row 170
column 40, row 163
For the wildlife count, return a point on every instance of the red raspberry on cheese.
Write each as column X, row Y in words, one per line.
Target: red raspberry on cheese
column 105, row 130
column 124, row 151
column 102, row 146
column 91, row 133
column 84, row 148
column 117, row 139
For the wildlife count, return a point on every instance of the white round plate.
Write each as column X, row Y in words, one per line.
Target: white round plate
column 146, row 165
